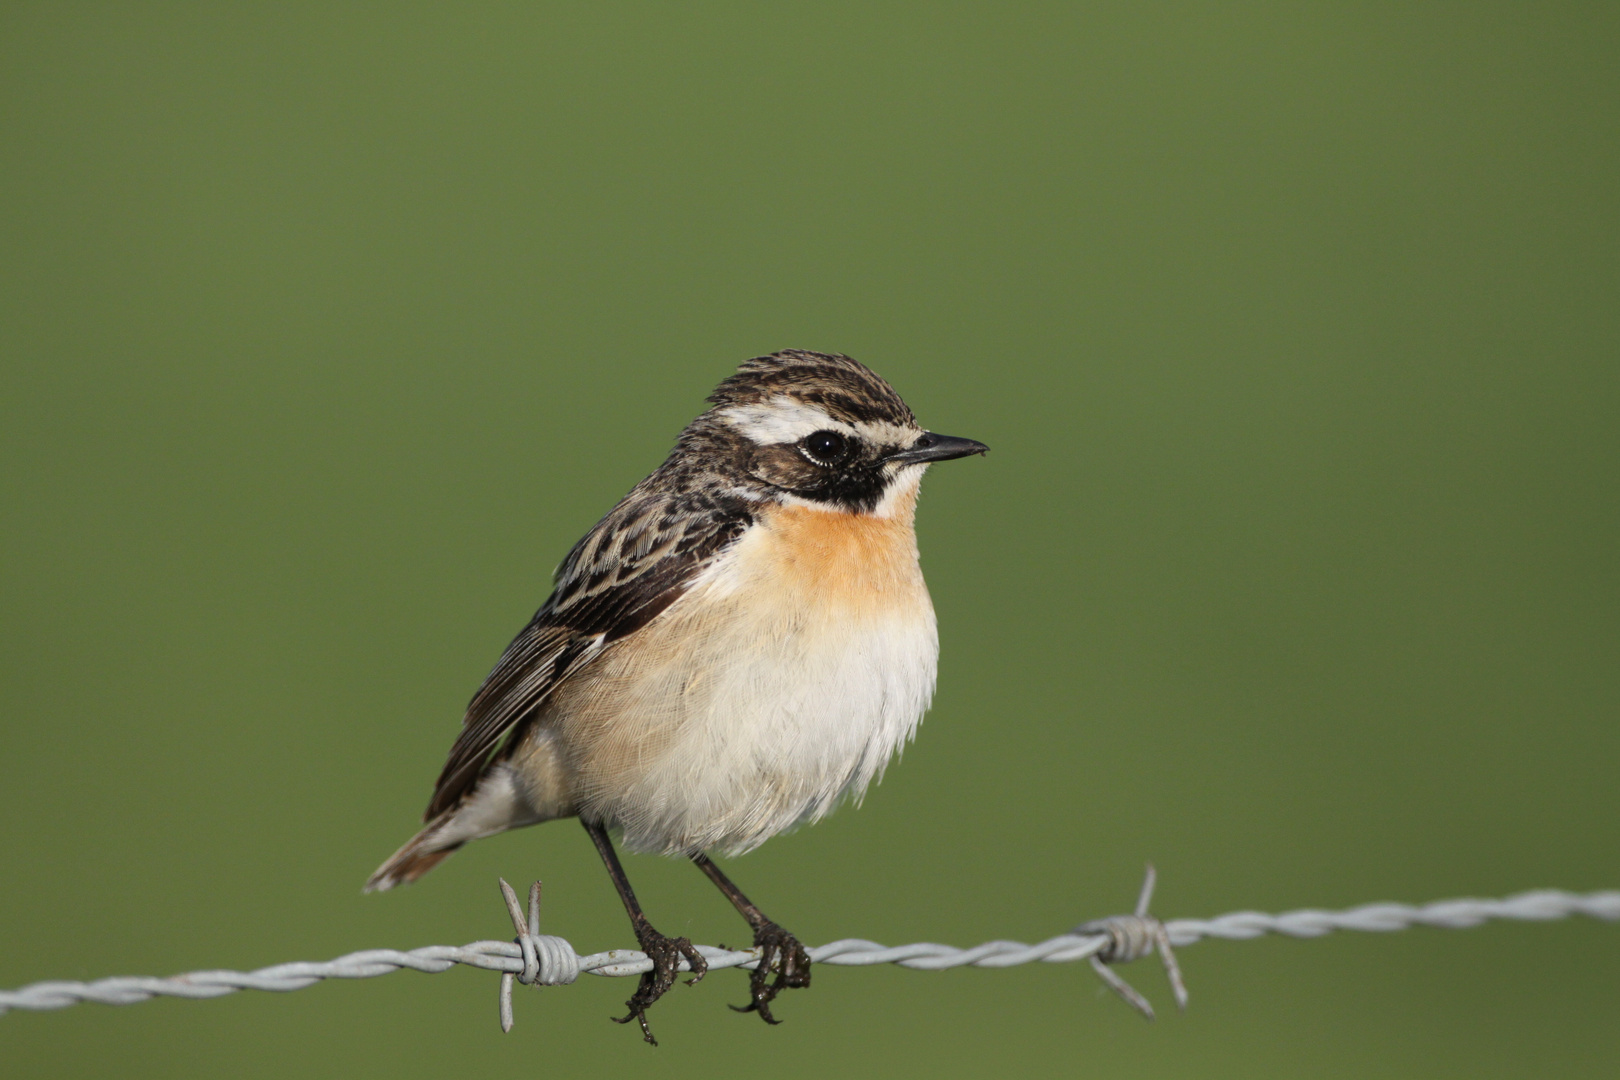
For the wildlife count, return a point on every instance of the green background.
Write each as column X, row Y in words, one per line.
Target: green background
column 327, row 328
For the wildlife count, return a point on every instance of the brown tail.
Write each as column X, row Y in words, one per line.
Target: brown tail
column 419, row 855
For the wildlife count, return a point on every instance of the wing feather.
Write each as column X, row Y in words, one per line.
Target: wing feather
column 635, row 563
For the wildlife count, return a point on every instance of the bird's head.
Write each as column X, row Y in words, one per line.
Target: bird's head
column 820, row 430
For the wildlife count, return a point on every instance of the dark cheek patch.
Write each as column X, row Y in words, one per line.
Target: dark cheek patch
column 784, row 467
column 856, row 487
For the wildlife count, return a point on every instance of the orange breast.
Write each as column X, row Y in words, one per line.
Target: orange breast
column 848, row 560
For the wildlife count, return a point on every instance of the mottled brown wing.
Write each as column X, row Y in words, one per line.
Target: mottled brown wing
column 635, row 563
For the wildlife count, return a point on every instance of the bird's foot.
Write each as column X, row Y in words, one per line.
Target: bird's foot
column 666, row 954
column 781, row 952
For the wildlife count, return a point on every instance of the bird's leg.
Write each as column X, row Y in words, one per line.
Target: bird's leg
column 779, row 950
column 665, row 952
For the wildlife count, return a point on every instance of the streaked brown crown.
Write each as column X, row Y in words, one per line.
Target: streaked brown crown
column 846, row 389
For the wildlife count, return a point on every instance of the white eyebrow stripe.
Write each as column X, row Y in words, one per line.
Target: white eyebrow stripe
column 780, row 420
column 883, row 433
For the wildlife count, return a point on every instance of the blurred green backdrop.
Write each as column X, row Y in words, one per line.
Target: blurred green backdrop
column 328, row 328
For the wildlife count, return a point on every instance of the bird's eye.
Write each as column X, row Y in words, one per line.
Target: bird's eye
column 825, row 447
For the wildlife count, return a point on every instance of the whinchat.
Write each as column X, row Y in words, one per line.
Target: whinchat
column 740, row 644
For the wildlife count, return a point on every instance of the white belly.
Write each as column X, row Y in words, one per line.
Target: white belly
column 782, row 682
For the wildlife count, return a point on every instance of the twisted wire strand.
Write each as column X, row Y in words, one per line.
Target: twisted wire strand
column 518, row 958
column 1540, row 905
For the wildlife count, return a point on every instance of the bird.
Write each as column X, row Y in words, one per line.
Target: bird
column 737, row 647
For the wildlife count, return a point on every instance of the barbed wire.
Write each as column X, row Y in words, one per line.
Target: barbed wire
column 539, row 959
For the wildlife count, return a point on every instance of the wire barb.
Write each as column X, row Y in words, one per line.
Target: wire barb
column 542, row 960
column 1131, row 937
column 547, row 960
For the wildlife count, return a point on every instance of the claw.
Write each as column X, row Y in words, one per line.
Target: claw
column 666, row 954
column 779, row 951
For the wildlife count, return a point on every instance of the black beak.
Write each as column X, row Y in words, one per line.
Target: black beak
column 932, row 447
